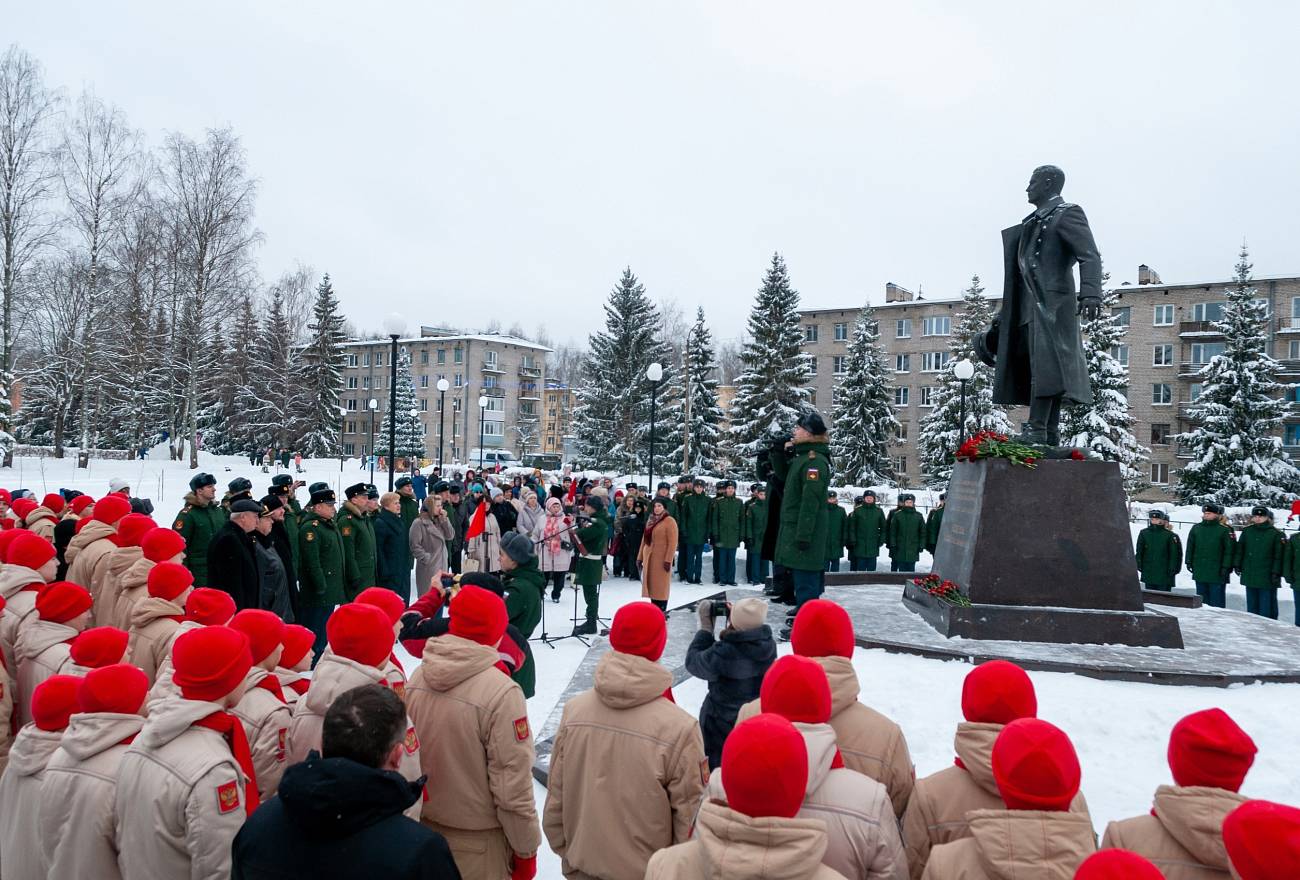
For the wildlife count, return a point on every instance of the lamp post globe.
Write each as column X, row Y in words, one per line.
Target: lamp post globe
column 963, row 370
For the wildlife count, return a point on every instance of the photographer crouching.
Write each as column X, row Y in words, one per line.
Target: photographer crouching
column 733, row 664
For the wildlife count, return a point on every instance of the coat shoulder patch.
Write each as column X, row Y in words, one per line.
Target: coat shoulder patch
column 521, row 729
column 228, row 797
column 180, row 524
column 704, row 772
column 310, row 535
column 412, row 742
column 814, row 473
column 347, row 530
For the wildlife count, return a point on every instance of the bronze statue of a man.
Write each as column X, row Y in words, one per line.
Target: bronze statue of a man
column 1034, row 342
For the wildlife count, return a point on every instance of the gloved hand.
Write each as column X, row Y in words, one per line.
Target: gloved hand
column 1090, row 308
column 523, row 868
column 705, row 611
column 804, row 545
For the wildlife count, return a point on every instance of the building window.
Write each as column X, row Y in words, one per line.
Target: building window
column 379, row 359
column 1204, row 352
column 1123, row 315
column 841, row 332
column 365, row 359
column 424, row 381
column 350, row 404
column 839, row 364
column 1164, row 316
column 349, row 449
column 1161, row 394
column 1263, row 306
column 937, row 326
column 365, row 382
column 1159, row 474
column 812, row 397
column 458, row 380
column 901, row 396
column 1207, row 312
column 352, row 360
column 1159, row 434
column 458, row 355
column 424, row 356
column 934, row 361
column 1194, row 391
column 902, row 363
column 491, row 382
column 1293, row 350
column 351, row 427
column 493, row 429
column 903, row 328
column 1291, row 435
column 424, row 405
column 352, row 381
column 812, row 365
column 489, row 358
column 1120, row 353
column 442, row 355
column 900, row 464
column 900, row 435
column 809, row 332
column 927, row 395
column 1162, row 355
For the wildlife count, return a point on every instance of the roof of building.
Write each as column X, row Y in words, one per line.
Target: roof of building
column 500, row 338
column 878, row 306
column 1129, row 287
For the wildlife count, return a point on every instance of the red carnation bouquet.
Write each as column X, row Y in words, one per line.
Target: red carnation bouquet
column 942, row 589
column 990, row 444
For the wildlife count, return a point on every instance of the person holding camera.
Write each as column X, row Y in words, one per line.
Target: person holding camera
column 733, row 664
column 803, row 466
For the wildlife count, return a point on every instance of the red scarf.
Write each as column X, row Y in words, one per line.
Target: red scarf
column 300, row 686
column 272, row 684
column 229, row 727
column 33, row 587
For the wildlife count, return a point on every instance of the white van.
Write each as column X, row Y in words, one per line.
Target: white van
column 493, row 458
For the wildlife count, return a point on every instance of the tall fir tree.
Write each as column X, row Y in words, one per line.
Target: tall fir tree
column 409, row 437
column 321, row 376
column 612, row 419
column 941, row 428
column 701, row 450
column 1105, row 427
column 772, row 389
column 863, row 418
column 1236, row 457
column 276, row 360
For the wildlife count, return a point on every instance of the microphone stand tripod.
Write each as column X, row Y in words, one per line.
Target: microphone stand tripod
column 549, row 640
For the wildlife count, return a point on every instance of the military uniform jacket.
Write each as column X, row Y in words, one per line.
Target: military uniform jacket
column 358, row 533
column 592, row 538
column 933, row 523
column 805, row 515
column 905, row 534
column 1259, row 556
column 1210, row 549
column 410, row 509
column 694, row 520
column 1159, row 556
column 866, row 531
column 837, row 521
column 1291, row 562
column 321, row 551
column 726, row 517
column 755, row 523
column 198, row 525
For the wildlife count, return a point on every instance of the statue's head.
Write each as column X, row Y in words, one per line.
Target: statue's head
column 1045, row 183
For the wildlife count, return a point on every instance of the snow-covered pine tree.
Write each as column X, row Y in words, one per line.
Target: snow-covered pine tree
column 612, row 419
column 215, row 401
column 410, row 431
column 772, row 387
column 701, row 448
column 1236, row 456
column 941, row 428
column 320, row 379
column 1106, row 425
column 863, row 423
column 273, row 390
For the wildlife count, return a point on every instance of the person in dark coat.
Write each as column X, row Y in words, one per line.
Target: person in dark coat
column 392, row 548
column 1210, row 548
column 865, row 533
column 1159, row 553
column 284, row 542
column 733, row 664
column 273, row 594
column 933, row 523
column 232, row 560
column 1258, row 561
column 503, row 510
column 339, row 814
column 837, row 524
column 904, row 534
column 410, row 505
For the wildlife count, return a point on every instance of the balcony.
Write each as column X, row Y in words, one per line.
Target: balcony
column 1189, row 369
column 1289, row 366
column 530, row 372
column 492, row 367
column 1198, row 328
column 1288, row 325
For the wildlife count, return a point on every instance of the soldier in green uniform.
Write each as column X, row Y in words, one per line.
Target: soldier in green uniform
column 1159, row 553
column 1291, row 570
column 358, row 534
column 664, row 493
column 716, row 560
column 837, row 521
column 1258, row 561
column 1210, row 550
column 321, row 576
column 679, row 495
column 755, row 525
column 405, row 488
column 592, row 538
column 865, row 533
column 523, row 584
column 804, row 466
column 904, row 534
column 933, row 523
column 239, row 489
column 198, row 521
column 725, row 530
column 694, row 525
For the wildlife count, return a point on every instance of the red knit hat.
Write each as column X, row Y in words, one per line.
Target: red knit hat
column 998, row 692
column 1117, row 864
column 120, row 688
column 29, row 550
column 796, row 688
column 1208, row 748
column 53, row 502
column 132, row 528
column 99, row 646
column 822, row 629
column 54, row 701
column 385, row 600
column 209, row 607
column 765, row 767
column 6, row 497
column 1035, row 766
column 639, row 628
column 209, row 663
column 361, row 633
column 24, row 506
column 80, row 503
column 60, row 601
column 167, row 580
column 298, row 640
column 479, row 615
column 6, row 538
column 1263, row 841
column 111, row 508
column 265, row 631
column 160, row 544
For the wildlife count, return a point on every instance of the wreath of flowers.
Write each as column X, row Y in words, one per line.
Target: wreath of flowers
column 990, row 444
column 942, row 589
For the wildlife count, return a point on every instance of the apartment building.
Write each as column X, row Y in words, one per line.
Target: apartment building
column 508, row 373
column 558, row 403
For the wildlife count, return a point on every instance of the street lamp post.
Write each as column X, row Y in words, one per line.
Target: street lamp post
column 963, row 370
column 394, row 326
column 343, row 423
column 373, row 406
column 443, row 385
column 482, row 411
column 410, row 459
column 655, row 373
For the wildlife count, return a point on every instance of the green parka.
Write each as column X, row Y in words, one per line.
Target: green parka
column 806, row 472
column 358, row 534
column 866, row 531
column 1259, row 556
column 755, row 523
column 320, row 579
column 933, row 523
column 1291, row 561
column 523, row 595
column 410, row 509
column 198, row 524
column 594, row 538
column 905, row 534
column 1210, row 551
column 694, row 521
column 1159, row 556
column 837, row 526
column 727, row 515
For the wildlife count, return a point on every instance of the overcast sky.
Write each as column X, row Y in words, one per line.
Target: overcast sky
column 462, row 162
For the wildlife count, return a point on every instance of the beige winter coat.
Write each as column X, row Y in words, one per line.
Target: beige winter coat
column 626, row 765
column 152, row 631
column 6, row 716
column 475, row 742
column 41, row 651
column 180, row 797
column 333, row 676
column 115, row 566
column 266, row 724
column 20, row 606
column 1015, row 845
column 428, row 541
column 936, row 812
column 20, row 792
column 870, row 743
column 288, row 677
column 1184, row 839
column 86, row 554
column 41, row 522
column 132, row 589
column 730, row 845
column 163, row 687
column 78, row 795
column 862, row 837
column 485, row 550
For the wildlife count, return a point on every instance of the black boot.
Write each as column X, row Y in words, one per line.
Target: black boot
column 585, row 629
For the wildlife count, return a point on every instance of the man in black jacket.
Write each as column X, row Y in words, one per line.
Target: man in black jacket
column 339, row 813
column 232, row 561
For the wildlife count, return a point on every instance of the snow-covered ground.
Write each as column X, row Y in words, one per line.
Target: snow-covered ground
column 1120, row 729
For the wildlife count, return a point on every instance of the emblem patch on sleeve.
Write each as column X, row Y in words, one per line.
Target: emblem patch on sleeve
column 814, row 474
column 412, row 742
column 281, row 746
column 399, row 688
column 180, row 524
column 347, row 530
column 704, row 771
column 228, row 797
column 311, row 536
column 521, row 729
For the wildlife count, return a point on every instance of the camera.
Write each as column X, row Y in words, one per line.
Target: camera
column 720, row 609
column 448, row 581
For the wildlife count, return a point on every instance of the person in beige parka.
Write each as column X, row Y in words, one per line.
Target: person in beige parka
column 626, row 761
column 156, row 618
column 88, row 550
column 62, row 612
column 131, row 529
column 95, row 648
column 205, row 606
column 295, row 663
column 262, row 710
column 30, row 564
column 159, row 545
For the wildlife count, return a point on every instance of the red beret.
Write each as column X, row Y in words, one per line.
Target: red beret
column 209, row 607
column 298, row 640
column 265, row 631
column 54, row 701
column 31, row 551
column 1208, row 749
column 639, row 628
column 54, row 502
column 161, row 545
column 478, row 615
column 132, row 528
column 60, row 601
column 1117, row 864
column 385, row 600
column 796, row 688
column 167, row 580
column 99, row 646
column 210, row 662
column 6, row 538
column 24, row 506
column 6, row 497
column 998, row 692
column 80, row 503
column 1035, row 766
column 361, row 633
column 765, row 767
column 119, row 688
column 822, row 629
column 1263, row 841
column 111, row 508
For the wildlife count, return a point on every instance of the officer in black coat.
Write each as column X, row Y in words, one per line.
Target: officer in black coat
column 232, row 561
